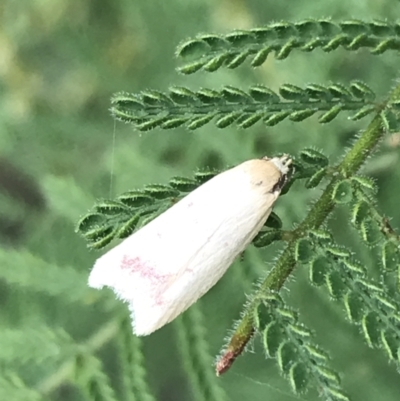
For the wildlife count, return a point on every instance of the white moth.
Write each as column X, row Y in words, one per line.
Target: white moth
column 171, row 262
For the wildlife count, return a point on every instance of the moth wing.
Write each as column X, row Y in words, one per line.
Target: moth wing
column 167, row 265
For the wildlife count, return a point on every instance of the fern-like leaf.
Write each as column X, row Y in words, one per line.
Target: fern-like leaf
column 33, row 344
column 182, row 107
column 119, row 218
column 27, row 271
column 293, row 346
column 366, row 302
column 91, row 379
column 211, row 52
column 132, row 364
column 13, row 388
column 196, row 357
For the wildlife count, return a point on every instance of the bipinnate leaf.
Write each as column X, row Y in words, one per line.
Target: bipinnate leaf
column 195, row 355
column 182, row 107
column 132, row 361
column 366, row 302
column 34, row 345
column 26, row 271
column 91, row 379
column 14, row 388
column 133, row 209
column 292, row 344
column 210, row 52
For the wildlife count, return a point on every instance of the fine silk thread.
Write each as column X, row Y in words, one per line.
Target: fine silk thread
column 112, row 160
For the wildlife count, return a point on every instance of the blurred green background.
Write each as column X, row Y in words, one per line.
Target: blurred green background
column 60, row 61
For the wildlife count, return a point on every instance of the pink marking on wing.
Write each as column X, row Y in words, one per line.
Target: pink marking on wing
column 137, row 265
column 145, row 270
column 133, row 265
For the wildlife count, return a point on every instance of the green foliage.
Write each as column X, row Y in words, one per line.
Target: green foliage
column 132, row 365
column 28, row 272
column 90, row 378
column 182, row 107
column 130, row 211
column 13, row 388
column 133, row 209
column 38, row 343
column 390, row 256
column 194, row 349
column 60, row 340
column 210, row 52
column 365, row 301
column 300, row 360
column 330, row 264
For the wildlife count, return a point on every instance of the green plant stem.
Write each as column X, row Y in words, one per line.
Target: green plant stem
column 286, row 263
column 383, row 222
column 100, row 338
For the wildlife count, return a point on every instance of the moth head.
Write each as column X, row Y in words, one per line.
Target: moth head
column 283, row 164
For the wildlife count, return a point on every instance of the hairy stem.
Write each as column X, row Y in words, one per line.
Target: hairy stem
column 351, row 163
